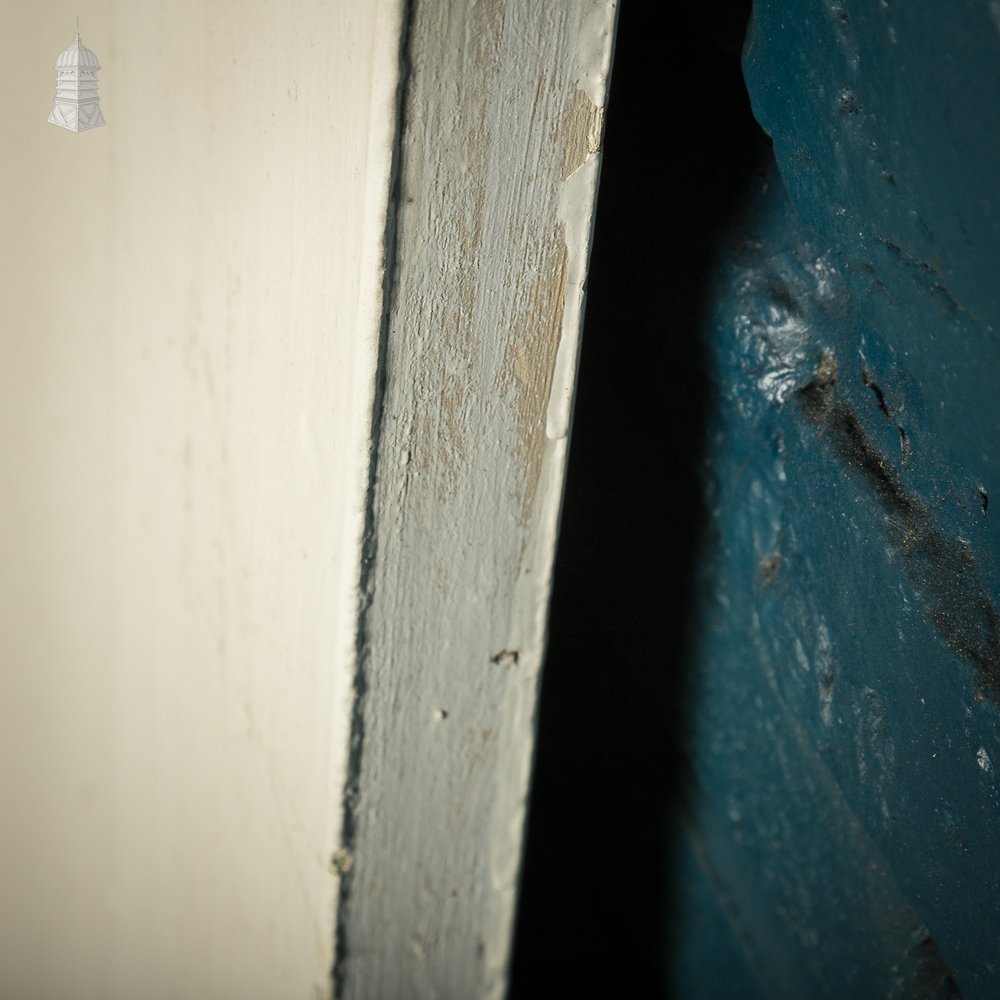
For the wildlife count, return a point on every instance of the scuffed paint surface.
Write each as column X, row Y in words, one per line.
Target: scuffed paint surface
column 844, row 807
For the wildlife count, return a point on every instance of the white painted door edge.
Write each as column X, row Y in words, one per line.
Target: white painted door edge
column 489, row 236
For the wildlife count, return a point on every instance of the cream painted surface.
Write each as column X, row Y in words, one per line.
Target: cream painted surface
column 190, row 309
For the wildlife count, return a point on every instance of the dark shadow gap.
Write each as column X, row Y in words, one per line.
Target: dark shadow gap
column 680, row 147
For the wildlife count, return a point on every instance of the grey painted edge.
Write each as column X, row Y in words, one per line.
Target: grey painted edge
column 488, row 238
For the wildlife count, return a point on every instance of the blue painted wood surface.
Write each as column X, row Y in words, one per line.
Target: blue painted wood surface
column 843, row 814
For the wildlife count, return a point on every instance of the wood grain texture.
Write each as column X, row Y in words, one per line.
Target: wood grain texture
column 498, row 164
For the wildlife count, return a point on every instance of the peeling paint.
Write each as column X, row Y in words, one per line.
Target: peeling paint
column 482, row 338
column 577, row 192
column 579, row 133
column 530, row 357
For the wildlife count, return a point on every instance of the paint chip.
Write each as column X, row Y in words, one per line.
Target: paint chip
column 341, row 862
column 983, row 760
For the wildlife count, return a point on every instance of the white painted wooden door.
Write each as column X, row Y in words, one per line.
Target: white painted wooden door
column 318, row 277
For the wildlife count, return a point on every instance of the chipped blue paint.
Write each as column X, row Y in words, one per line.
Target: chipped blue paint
column 845, row 735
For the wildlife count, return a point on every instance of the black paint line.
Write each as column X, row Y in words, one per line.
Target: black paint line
column 942, row 570
column 933, row 281
column 879, row 395
column 342, row 862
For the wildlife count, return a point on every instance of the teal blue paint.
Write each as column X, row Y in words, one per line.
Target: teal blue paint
column 845, row 738
column 710, row 956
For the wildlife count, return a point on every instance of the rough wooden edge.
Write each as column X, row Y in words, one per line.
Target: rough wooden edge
column 496, row 169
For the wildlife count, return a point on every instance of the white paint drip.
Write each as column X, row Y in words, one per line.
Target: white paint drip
column 800, row 655
column 825, row 274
